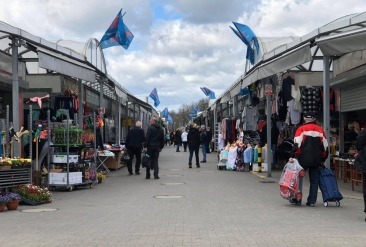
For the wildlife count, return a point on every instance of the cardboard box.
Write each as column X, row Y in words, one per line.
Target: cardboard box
column 61, row 178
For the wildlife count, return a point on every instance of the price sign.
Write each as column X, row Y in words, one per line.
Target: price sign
column 268, row 89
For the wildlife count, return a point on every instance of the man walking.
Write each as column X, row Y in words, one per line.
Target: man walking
column 134, row 140
column 153, row 145
column 311, row 150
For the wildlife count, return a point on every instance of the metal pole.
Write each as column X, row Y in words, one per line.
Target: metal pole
column 326, row 112
column 118, row 122
column 269, row 135
column 81, row 100
column 15, row 91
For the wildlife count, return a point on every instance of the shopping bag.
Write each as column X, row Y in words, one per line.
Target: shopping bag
column 146, row 161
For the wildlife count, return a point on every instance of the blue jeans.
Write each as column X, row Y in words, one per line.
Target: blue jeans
column 204, row 150
column 314, row 183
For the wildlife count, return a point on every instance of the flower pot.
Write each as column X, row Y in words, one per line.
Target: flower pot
column 2, row 207
column 13, row 205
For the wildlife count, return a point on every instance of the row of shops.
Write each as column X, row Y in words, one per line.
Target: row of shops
column 61, row 88
column 322, row 72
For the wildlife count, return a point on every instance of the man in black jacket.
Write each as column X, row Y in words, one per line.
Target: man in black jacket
column 193, row 139
column 134, row 141
column 153, row 145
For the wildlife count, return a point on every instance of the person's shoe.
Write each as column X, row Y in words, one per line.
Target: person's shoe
column 130, row 174
column 147, row 177
column 190, row 166
column 156, row 177
column 137, row 173
column 310, row 204
column 203, row 161
column 185, row 150
column 178, row 151
column 198, row 166
column 295, row 201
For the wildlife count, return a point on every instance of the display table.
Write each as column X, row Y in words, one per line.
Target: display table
column 114, row 163
column 103, row 156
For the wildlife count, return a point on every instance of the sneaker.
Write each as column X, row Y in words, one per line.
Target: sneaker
column 137, row 173
column 156, row 177
column 190, row 166
column 310, row 204
column 198, row 166
column 295, row 201
column 130, row 174
column 203, row 161
column 147, row 177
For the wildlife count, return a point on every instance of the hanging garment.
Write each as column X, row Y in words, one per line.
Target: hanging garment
column 250, row 118
column 310, row 100
column 239, row 162
column 248, row 155
column 232, row 157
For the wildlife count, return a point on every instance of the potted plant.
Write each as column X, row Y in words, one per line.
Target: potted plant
column 100, row 177
column 32, row 194
column 4, row 199
column 14, row 199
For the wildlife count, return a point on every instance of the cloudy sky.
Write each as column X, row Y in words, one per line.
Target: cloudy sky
column 179, row 45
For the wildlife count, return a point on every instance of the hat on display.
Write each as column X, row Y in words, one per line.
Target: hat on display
column 309, row 117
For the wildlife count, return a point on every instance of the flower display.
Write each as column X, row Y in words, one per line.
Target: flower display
column 4, row 199
column 34, row 193
column 13, row 196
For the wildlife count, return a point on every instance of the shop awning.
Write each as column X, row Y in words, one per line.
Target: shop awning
column 225, row 98
column 66, row 66
column 343, row 43
column 121, row 94
column 236, row 90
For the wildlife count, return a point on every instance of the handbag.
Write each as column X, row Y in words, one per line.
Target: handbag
column 146, row 161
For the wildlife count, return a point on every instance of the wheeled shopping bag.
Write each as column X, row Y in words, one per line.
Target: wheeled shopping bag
column 291, row 182
column 329, row 187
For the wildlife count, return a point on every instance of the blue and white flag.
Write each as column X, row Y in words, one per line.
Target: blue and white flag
column 208, row 92
column 165, row 113
column 155, row 97
column 170, row 119
column 117, row 34
column 249, row 38
column 192, row 115
column 196, row 109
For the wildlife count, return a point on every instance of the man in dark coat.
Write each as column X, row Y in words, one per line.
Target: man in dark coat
column 153, row 144
column 311, row 151
column 177, row 139
column 361, row 158
column 134, row 141
column 193, row 140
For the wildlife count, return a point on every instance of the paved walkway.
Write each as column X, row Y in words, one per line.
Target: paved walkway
column 209, row 208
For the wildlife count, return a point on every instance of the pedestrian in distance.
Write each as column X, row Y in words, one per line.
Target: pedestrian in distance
column 208, row 140
column 134, row 144
column 167, row 139
column 184, row 139
column 193, row 139
column 203, row 140
column 153, row 144
column 177, row 139
column 311, row 150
